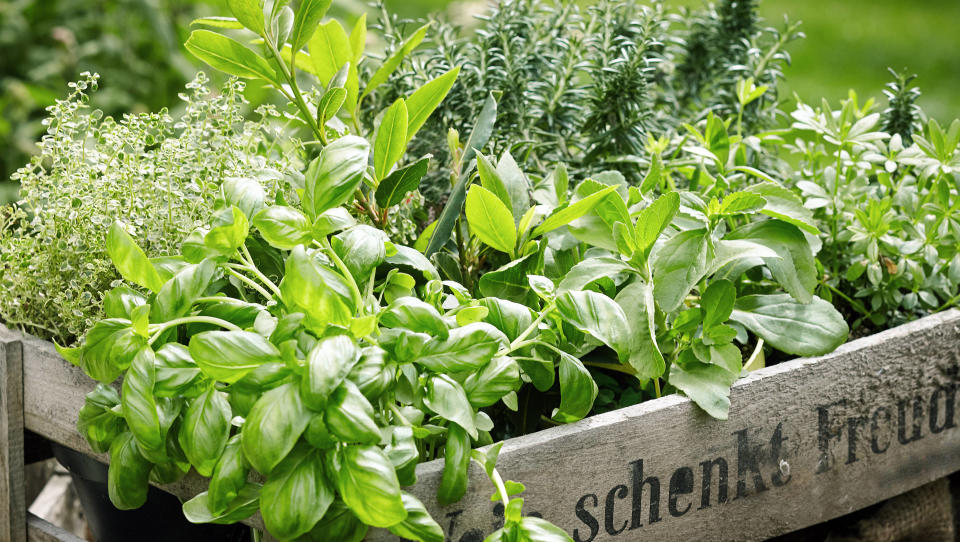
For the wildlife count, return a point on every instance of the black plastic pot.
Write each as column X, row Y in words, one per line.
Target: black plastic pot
column 159, row 520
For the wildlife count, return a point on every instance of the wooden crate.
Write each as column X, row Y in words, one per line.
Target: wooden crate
column 807, row 440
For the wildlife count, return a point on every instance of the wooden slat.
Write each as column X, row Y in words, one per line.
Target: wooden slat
column 789, row 458
column 41, row 530
column 13, row 507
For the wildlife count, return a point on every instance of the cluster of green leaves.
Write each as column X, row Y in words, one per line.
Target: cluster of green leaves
column 161, row 172
column 584, row 86
column 888, row 208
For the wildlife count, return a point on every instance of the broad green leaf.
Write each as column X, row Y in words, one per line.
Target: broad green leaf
column 178, row 294
column 413, row 259
column 328, row 363
column 678, row 266
column 246, row 504
column 249, row 13
column 565, row 215
column 447, row 399
column 229, row 476
column 509, row 281
column 367, row 483
column 329, row 50
column 598, row 316
column 140, row 407
column 229, row 232
column 309, row 14
column 596, row 227
column 331, row 103
column 128, row 474
column 784, row 204
column 638, row 305
column 339, row 524
column 97, row 421
column 419, row 525
column 490, row 220
column 456, row 460
column 358, row 38
column 415, row 315
column 248, row 195
column 372, row 374
column 205, row 429
column 391, row 64
column 218, row 22
column 403, row 453
column 391, row 142
column 716, row 303
column 706, row 384
column 425, row 100
column 401, row 182
column 490, row 179
column 229, row 355
column 577, row 390
column 509, row 317
column 273, row 427
column 362, row 248
column 795, row 269
column 110, row 346
column 176, row 374
column 654, row 219
column 129, row 259
column 590, row 270
column 229, row 56
column 740, row 252
column 333, row 178
column 466, row 348
column 534, row 529
column 350, row 417
column 283, row 227
column 740, row 203
column 307, row 289
column 517, row 185
column 120, row 302
column 332, row 221
column 482, row 130
column 811, row 329
column 296, row 495
column 652, row 178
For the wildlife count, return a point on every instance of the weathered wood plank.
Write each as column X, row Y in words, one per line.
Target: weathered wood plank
column 807, row 440
column 41, row 530
column 13, row 506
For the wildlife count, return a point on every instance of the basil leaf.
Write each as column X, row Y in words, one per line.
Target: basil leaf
column 448, row 400
column 795, row 269
column 246, row 504
column 456, row 460
column 129, row 259
column 97, row 421
column 176, row 374
column 120, row 302
column 362, row 248
column 178, row 294
column 465, row 348
column 716, row 303
column 296, row 495
column 534, row 529
column 419, row 525
column 368, row 485
column 140, row 408
column 638, row 305
column 591, row 270
column 403, row 454
column 813, row 329
column 338, row 524
column 229, row 355
column 707, row 385
column 333, row 178
column 229, row 477
column 283, row 227
column 110, row 346
column 415, row 315
column 304, row 288
column 678, row 266
column 598, row 316
column 273, row 427
column 372, row 374
column 577, row 390
column 229, row 232
column 205, row 430
column 349, row 416
column 496, row 379
column 509, row 317
column 328, row 363
column 128, row 474
column 247, row 195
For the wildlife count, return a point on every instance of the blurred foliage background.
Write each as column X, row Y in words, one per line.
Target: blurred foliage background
column 136, row 46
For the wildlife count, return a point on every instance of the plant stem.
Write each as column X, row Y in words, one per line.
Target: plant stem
column 748, row 366
column 160, row 328
column 617, row 367
column 656, row 388
column 252, row 267
column 354, row 289
column 249, row 282
column 532, row 327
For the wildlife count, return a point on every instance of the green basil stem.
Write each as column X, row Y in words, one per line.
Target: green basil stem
column 519, row 341
column 248, row 281
column 158, row 329
column 291, row 78
column 616, row 367
column 252, row 267
column 354, row 289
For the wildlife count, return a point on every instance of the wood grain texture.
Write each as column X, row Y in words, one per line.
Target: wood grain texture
column 807, row 440
column 41, row 530
column 13, row 506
